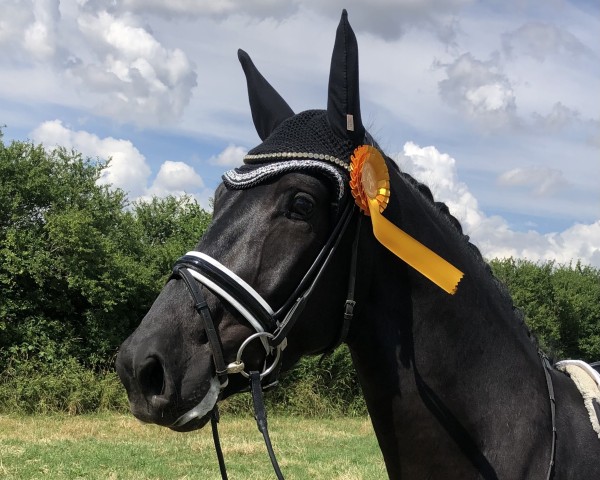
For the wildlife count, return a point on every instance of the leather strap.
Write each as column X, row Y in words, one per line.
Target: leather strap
column 350, row 301
column 201, row 307
column 223, row 279
column 260, row 414
column 547, row 369
column 214, row 421
column 350, row 296
column 301, row 295
column 313, row 273
column 296, row 309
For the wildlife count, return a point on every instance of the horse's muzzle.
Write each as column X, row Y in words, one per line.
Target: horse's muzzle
column 164, row 394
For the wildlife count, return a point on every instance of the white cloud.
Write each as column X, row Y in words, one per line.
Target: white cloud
column 139, row 79
column 14, row 18
column 39, row 39
column 490, row 97
column 219, row 9
column 492, row 234
column 113, row 63
column 127, row 170
column 480, row 90
column 541, row 40
column 177, row 176
column 543, row 181
column 179, row 179
column 383, row 18
column 578, row 242
column 232, row 156
column 559, row 118
column 438, row 171
column 136, row 61
column 392, row 18
column 30, row 28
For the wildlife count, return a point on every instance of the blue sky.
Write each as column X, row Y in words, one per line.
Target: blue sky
column 494, row 104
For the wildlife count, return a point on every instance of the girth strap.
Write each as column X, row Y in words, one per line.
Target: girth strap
column 547, row 369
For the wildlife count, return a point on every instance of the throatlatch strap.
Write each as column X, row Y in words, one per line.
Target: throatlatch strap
column 260, row 414
column 314, row 274
column 350, row 302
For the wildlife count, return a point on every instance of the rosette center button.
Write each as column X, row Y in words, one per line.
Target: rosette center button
column 369, row 180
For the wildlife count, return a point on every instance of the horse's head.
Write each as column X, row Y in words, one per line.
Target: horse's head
column 243, row 298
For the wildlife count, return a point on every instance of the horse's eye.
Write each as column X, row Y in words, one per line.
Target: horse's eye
column 302, row 207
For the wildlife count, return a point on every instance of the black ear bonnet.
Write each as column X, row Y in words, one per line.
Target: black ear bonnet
column 318, row 141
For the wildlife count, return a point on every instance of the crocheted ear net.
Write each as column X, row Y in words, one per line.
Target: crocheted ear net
column 304, row 142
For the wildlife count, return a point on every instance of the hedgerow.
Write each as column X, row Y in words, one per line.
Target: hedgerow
column 80, row 266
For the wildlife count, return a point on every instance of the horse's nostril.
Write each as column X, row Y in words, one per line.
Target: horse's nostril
column 151, row 377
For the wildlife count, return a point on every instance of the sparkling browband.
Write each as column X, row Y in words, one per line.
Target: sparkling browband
column 298, row 155
column 241, row 179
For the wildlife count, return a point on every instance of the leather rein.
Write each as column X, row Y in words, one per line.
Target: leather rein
column 272, row 327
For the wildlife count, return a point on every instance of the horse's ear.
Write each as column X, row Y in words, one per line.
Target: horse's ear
column 268, row 108
column 343, row 102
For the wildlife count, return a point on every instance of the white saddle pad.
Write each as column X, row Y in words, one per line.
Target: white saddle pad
column 588, row 382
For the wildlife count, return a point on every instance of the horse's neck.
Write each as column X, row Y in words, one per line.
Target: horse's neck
column 445, row 377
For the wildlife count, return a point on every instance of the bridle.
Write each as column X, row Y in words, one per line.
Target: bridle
column 271, row 327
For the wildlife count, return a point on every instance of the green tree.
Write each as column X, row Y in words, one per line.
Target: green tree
column 169, row 227
column 532, row 291
column 79, row 266
column 561, row 304
column 578, row 296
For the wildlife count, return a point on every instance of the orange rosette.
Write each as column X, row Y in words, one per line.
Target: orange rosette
column 369, row 178
column 370, row 187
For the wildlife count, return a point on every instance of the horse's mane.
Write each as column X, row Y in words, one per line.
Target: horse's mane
column 444, row 212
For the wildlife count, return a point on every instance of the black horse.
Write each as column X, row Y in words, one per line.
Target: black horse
column 455, row 385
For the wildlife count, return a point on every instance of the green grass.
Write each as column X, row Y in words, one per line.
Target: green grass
column 115, row 446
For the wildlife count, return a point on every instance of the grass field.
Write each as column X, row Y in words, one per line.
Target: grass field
column 113, row 446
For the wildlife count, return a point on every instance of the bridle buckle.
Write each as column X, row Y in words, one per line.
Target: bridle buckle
column 349, row 309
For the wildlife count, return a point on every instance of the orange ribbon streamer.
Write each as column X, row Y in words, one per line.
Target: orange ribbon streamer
column 370, row 186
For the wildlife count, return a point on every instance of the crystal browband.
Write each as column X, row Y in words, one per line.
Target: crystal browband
column 298, row 155
column 244, row 177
